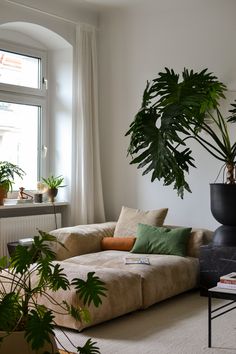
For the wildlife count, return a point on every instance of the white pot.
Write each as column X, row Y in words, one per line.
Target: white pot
column 15, row 343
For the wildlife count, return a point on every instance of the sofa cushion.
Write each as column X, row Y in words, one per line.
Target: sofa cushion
column 119, row 284
column 166, row 275
column 80, row 239
column 117, row 243
column 130, row 218
column 161, row 240
column 197, row 238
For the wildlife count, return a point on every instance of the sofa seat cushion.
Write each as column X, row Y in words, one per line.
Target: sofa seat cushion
column 118, row 284
column 166, row 276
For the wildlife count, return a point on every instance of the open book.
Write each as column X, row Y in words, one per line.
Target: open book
column 137, row 260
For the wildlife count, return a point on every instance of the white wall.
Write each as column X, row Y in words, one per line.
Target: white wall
column 135, row 44
column 43, row 15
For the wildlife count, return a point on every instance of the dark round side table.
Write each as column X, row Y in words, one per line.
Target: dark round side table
column 11, row 246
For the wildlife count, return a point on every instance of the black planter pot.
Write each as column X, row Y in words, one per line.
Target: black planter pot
column 223, row 208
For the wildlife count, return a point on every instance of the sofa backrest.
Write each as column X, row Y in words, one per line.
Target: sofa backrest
column 84, row 239
column 80, row 239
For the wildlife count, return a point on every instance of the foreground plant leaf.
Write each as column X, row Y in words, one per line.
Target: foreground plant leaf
column 39, row 328
column 32, row 274
column 89, row 348
column 90, row 290
column 10, row 311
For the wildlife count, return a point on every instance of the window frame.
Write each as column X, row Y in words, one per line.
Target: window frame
column 31, row 96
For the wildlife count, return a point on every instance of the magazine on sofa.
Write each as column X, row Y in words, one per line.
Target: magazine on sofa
column 137, row 260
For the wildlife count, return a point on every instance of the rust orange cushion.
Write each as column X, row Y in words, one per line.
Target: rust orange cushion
column 117, row 243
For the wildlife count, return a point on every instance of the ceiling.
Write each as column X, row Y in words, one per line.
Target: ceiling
column 102, row 3
column 86, row 4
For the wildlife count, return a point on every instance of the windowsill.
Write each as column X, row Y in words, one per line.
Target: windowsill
column 16, row 210
column 15, row 205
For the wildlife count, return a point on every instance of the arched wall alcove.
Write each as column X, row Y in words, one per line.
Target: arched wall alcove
column 57, row 134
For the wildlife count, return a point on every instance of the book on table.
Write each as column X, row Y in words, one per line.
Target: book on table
column 226, row 285
column 228, row 278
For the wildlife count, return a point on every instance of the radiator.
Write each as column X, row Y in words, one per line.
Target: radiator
column 14, row 228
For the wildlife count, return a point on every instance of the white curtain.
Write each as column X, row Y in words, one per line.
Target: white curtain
column 87, row 198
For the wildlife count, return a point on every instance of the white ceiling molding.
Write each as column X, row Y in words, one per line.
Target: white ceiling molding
column 49, row 39
column 66, row 10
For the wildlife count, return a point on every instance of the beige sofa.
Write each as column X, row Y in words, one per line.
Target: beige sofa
column 130, row 286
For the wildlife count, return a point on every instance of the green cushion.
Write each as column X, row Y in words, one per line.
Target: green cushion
column 161, row 240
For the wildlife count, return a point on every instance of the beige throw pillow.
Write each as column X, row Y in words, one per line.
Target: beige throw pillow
column 130, row 218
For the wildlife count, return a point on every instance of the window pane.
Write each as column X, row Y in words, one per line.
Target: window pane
column 16, row 69
column 19, row 140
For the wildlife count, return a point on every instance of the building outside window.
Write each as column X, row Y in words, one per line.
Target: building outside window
column 22, row 110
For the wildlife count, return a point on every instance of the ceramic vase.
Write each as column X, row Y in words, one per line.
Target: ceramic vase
column 52, row 193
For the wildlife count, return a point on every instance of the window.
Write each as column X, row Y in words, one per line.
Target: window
column 22, row 110
column 21, row 70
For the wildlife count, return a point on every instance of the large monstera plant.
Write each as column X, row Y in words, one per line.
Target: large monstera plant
column 173, row 111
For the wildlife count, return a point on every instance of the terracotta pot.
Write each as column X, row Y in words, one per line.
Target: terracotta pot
column 16, row 343
column 52, row 193
column 3, row 195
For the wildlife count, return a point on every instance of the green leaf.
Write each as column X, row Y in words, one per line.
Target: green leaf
column 41, row 246
column 90, row 290
column 85, row 315
column 53, row 181
column 21, row 259
column 72, row 310
column 232, row 118
column 39, row 327
column 10, row 311
column 3, row 262
column 79, row 313
column 44, row 270
column 7, row 174
column 58, row 279
column 89, row 348
column 173, row 111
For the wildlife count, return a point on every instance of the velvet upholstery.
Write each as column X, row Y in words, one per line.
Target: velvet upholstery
column 80, row 239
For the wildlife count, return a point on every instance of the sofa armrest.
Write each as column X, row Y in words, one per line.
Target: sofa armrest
column 80, row 239
column 198, row 237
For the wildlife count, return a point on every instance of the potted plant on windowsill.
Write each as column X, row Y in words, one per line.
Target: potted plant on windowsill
column 7, row 174
column 174, row 111
column 29, row 274
column 53, row 183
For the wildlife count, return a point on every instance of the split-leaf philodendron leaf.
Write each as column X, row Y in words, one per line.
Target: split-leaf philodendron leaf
column 174, row 110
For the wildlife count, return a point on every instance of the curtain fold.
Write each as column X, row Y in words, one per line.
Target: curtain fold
column 87, row 197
